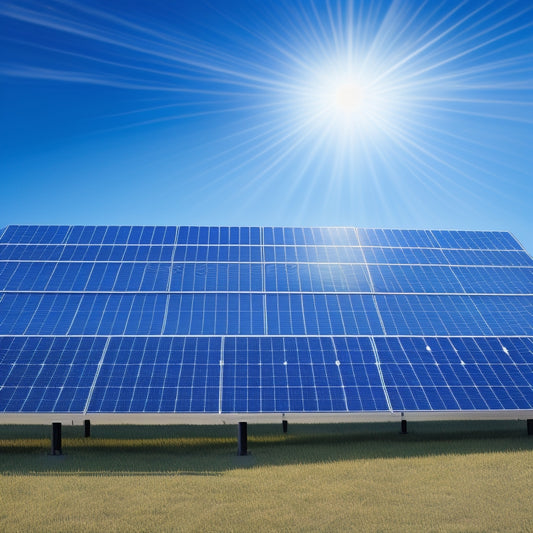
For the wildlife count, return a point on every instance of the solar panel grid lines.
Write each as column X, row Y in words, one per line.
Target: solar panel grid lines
column 380, row 372
column 96, row 375
column 342, row 382
column 221, row 374
column 169, row 278
column 302, row 285
column 69, row 331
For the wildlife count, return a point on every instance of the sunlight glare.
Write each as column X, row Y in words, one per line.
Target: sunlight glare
column 349, row 97
column 347, row 104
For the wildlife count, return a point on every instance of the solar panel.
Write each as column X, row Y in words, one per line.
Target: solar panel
column 213, row 324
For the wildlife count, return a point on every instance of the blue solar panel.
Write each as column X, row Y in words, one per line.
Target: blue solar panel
column 158, row 375
column 455, row 374
column 299, row 374
column 47, row 374
column 218, row 320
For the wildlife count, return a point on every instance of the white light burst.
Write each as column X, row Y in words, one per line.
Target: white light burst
column 345, row 104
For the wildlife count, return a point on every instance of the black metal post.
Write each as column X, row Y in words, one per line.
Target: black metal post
column 404, row 427
column 530, row 426
column 87, row 424
column 56, row 439
column 243, row 439
column 285, row 425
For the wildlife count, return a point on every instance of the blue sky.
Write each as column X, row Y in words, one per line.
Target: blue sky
column 403, row 114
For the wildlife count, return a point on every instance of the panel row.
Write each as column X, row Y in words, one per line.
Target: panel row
column 272, row 277
column 455, row 315
column 131, row 235
column 129, row 253
column 257, row 314
column 451, row 280
column 272, row 254
column 131, row 314
column 254, row 235
column 254, row 375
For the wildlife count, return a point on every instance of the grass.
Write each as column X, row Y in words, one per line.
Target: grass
column 459, row 476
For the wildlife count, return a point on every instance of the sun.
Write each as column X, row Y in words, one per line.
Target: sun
column 349, row 97
column 342, row 103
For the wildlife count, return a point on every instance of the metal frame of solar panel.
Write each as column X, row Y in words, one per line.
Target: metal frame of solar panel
column 207, row 325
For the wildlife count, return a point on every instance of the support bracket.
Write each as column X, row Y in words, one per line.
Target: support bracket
column 56, row 439
column 242, row 437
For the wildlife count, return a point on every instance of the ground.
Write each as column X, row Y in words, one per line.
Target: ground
column 453, row 476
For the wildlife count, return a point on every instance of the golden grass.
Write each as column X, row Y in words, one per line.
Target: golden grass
column 439, row 477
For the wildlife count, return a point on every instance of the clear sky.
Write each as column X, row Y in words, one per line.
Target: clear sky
column 406, row 114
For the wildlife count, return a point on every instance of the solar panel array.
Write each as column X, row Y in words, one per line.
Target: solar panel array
column 260, row 321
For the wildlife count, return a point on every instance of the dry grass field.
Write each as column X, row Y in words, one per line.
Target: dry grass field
column 439, row 477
